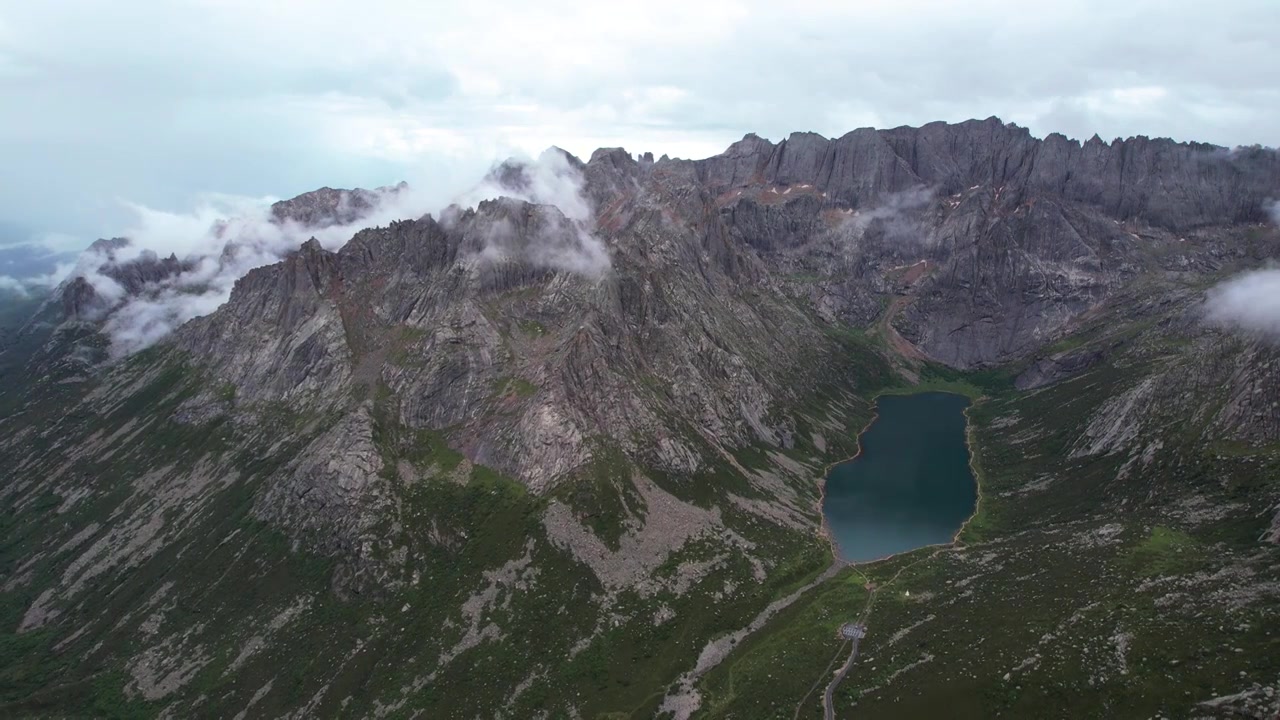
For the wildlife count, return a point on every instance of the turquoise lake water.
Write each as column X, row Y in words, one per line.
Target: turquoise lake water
column 910, row 486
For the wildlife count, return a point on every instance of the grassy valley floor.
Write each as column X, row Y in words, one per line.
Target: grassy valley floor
column 1129, row 583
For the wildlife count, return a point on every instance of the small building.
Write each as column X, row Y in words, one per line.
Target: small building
column 853, row 631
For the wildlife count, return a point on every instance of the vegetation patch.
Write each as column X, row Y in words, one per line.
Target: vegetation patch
column 1167, row 551
column 513, row 386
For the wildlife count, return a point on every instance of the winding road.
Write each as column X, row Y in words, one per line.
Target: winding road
column 828, row 706
column 828, row 711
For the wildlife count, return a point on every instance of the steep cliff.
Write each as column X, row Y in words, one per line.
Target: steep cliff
column 538, row 455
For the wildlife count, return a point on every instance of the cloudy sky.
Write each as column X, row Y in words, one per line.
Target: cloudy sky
column 160, row 102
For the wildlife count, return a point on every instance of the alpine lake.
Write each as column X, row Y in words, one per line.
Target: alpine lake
column 910, row 485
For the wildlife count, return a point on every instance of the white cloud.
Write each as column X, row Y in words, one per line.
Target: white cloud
column 564, row 245
column 897, row 215
column 225, row 236
column 13, row 285
column 281, row 97
column 45, row 281
column 1248, row 303
column 550, row 180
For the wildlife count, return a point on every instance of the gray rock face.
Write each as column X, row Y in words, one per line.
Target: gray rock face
column 327, row 206
column 992, row 242
column 281, row 335
column 326, row 461
column 971, row 244
column 1252, row 414
column 1015, row 276
column 769, row 228
column 332, row 495
column 135, row 276
column 1051, row 369
column 1162, row 182
column 1026, row 233
column 78, row 299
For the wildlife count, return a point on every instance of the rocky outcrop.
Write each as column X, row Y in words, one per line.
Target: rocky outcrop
column 1159, row 181
column 327, row 206
column 78, row 299
column 1251, row 413
column 714, row 287
column 1051, row 369
column 281, row 335
column 586, row 417
column 129, row 274
column 333, row 495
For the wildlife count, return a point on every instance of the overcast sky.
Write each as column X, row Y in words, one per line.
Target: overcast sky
column 159, row 101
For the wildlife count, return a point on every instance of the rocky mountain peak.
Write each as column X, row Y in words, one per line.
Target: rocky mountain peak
column 615, row 156
column 1170, row 184
column 126, row 278
column 78, row 299
column 523, row 178
column 750, row 144
column 328, row 206
column 108, row 246
column 594, row 413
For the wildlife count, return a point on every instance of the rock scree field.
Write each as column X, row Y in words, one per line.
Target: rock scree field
column 540, row 460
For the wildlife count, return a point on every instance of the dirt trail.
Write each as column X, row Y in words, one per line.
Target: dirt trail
column 685, row 699
column 828, row 706
column 803, row 700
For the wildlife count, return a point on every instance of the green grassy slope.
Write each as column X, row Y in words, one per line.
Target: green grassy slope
column 1126, row 583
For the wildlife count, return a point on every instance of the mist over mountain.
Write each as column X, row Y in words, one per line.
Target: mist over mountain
column 32, row 267
column 225, row 238
column 556, row 445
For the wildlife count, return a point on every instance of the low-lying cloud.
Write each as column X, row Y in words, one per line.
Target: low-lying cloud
column 896, row 216
column 567, row 244
column 225, row 237
column 33, row 266
column 1249, row 303
column 27, row 286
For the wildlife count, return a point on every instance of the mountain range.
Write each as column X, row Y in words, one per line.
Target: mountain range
column 561, row 454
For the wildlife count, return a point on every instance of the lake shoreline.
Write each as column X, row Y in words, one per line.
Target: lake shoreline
column 969, row 445
column 827, row 531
